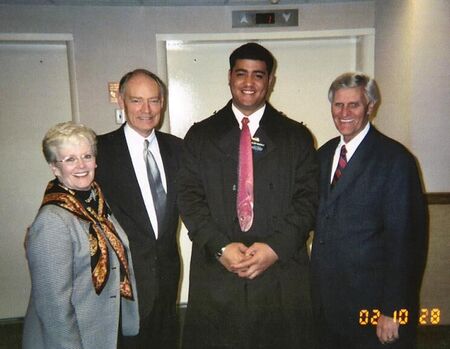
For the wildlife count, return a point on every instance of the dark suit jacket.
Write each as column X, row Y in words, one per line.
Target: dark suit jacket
column 370, row 238
column 273, row 309
column 156, row 262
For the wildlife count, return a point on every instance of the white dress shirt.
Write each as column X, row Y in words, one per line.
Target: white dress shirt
column 254, row 118
column 350, row 146
column 135, row 144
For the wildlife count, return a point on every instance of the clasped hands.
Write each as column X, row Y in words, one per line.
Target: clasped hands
column 248, row 262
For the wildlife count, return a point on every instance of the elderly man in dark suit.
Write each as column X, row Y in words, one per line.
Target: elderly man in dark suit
column 370, row 239
column 249, row 281
column 144, row 202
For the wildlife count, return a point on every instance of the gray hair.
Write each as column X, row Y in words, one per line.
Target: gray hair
column 354, row 79
column 124, row 80
column 63, row 133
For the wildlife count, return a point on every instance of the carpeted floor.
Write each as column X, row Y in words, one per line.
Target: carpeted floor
column 430, row 337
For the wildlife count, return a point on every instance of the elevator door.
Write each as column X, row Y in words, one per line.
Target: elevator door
column 35, row 94
column 197, row 77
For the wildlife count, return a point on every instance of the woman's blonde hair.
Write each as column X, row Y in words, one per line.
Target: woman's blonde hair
column 63, row 133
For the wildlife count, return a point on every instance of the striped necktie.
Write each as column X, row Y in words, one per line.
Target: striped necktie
column 342, row 163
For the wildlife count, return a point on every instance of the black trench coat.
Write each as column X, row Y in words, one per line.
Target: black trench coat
column 274, row 309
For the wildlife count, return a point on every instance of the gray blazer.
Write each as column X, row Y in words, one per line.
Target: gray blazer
column 64, row 311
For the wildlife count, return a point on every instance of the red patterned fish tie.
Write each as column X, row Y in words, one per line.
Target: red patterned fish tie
column 245, row 179
column 341, row 165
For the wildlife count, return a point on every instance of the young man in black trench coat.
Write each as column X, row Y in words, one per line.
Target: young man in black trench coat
column 249, row 289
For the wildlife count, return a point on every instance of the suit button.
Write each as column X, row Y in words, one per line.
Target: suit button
column 321, row 242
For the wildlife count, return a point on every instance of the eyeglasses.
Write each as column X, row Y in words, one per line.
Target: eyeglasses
column 71, row 160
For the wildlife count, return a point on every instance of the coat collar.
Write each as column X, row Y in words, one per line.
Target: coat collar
column 227, row 131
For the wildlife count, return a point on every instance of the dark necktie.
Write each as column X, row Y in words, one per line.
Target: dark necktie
column 156, row 187
column 342, row 163
column 244, row 202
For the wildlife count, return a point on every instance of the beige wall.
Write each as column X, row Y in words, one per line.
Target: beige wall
column 411, row 59
column 112, row 40
column 393, row 67
column 412, row 66
column 108, row 41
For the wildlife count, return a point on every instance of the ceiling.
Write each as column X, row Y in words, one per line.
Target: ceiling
column 167, row 2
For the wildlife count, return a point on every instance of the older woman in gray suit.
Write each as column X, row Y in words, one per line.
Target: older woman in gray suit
column 82, row 277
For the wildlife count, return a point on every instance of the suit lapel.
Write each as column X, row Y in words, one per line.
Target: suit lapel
column 131, row 200
column 170, row 169
column 327, row 168
column 355, row 166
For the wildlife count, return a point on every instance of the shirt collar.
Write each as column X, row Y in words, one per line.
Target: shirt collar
column 353, row 144
column 134, row 137
column 254, row 119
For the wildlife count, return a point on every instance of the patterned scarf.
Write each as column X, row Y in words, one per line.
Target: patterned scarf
column 90, row 206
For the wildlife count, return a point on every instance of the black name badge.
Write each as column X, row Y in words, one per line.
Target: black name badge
column 257, row 145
